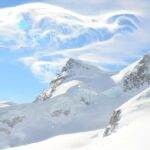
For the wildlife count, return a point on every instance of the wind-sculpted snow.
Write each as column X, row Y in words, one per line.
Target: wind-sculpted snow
column 41, row 26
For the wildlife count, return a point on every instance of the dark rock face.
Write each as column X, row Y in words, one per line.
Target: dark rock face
column 139, row 76
column 52, row 87
column 113, row 123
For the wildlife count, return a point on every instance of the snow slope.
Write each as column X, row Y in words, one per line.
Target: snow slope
column 64, row 142
column 132, row 131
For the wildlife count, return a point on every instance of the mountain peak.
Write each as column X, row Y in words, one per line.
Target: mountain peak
column 70, row 71
column 72, row 60
column 136, row 75
column 71, row 63
column 146, row 58
column 77, row 73
column 75, row 67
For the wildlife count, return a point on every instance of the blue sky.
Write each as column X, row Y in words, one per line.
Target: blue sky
column 18, row 84
column 26, row 71
column 9, row 3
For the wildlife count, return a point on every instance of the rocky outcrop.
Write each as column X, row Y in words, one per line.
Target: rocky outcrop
column 139, row 76
column 113, row 123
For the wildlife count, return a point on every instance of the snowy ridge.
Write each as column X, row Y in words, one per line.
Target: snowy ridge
column 136, row 75
column 81, row 75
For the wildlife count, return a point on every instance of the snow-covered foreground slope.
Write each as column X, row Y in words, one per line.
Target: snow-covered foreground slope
column 131, row 131
column 65, row 142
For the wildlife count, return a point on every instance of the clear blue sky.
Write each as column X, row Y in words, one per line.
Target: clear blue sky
column 17, row 83
column 7, row 3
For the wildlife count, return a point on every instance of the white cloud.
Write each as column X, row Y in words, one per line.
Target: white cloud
column 118, row 50
column 44, row 70
column 94, row 7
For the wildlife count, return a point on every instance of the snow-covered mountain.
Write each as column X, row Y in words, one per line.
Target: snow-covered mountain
column 78, row 79
column 73, row 103
column 135, row 76
column 80, row 98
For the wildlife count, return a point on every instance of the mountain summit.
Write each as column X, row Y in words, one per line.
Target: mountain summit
column 135, row 76
column 79, row 74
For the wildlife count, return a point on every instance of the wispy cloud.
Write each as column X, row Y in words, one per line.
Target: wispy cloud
column 115, row 37
column 45, row 67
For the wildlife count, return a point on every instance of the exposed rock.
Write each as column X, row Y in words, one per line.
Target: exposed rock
column 4, row 130
column 57, row 113
column 11, row 123
column 113, row 123
column 59, row 79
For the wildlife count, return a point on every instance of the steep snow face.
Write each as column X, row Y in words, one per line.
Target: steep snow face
column 45, row 26
column 131, row 112
column 129, row 130
column 135, row 76
column 77, row 77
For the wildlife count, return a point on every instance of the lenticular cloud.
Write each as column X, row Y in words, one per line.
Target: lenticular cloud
column 42, row 26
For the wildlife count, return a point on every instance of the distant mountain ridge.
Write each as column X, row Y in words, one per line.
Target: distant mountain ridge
column 136, row 75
